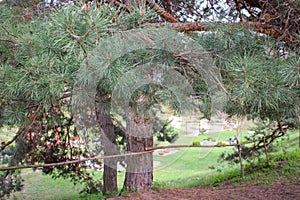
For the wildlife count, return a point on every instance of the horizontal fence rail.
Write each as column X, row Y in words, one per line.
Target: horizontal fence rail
column 147, row 150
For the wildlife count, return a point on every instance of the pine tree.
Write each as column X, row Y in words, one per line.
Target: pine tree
column 41, row 56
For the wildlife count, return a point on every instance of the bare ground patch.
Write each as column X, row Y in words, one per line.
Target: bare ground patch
column 276, row 191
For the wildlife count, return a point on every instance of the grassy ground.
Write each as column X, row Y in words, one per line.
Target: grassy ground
column 190, row 162
column 6, row 133
column 184, row 168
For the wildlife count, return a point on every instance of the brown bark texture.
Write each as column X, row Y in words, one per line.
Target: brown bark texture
column 109, row 148
column 139, row 171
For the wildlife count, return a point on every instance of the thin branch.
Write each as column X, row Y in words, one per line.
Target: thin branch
column 65, row 95
column 164, row 14
column 240, row 160
column 245, row 80
column 7, row 40
column 238, row 7
column 76, row 37
column 249, row 9
column 32, row 119
column 91, row 27
column 85, row 34
column 9, row 32
column 84, row 51
column 12, row 140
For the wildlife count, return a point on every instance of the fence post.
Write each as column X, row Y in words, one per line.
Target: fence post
column 240, row 159
column 266, row 152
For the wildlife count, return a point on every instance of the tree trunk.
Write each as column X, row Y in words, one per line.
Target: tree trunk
column 109, row 148
column 139, row 171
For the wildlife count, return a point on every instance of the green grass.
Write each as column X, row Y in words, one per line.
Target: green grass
column 186, row 168
column 37, row 186
column 6, row 133
column 183, row 172
column 190, row 162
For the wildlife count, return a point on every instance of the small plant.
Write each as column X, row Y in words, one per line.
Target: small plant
column 221, row 144
column 217, row 180
column 196, row 143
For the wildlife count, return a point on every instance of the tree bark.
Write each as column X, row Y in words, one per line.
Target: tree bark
column 164, row 14
column 109, row 148
column 139, row 171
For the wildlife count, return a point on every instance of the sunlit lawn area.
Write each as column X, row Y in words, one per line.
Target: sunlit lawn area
column 191, row 162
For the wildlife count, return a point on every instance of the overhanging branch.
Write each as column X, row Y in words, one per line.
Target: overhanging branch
column 204, row 26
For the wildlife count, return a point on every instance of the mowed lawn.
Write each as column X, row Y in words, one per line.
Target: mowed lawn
column 178, row 168
column 193, row 162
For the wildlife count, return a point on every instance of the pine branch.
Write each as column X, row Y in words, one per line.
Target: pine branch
column 248, row 8
column 76, row 37
column 204, row 26
column 7, row 40
column 238, row 7
column 9, row 33
column 164, row 14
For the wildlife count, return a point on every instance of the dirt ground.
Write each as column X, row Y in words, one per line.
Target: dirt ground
column 245, row 191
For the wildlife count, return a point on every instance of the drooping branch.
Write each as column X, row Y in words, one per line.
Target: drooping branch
column 13, row 139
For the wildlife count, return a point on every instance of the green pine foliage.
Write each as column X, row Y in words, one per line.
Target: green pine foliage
column 38, row 69
column 39, row 60
column 259, row 80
